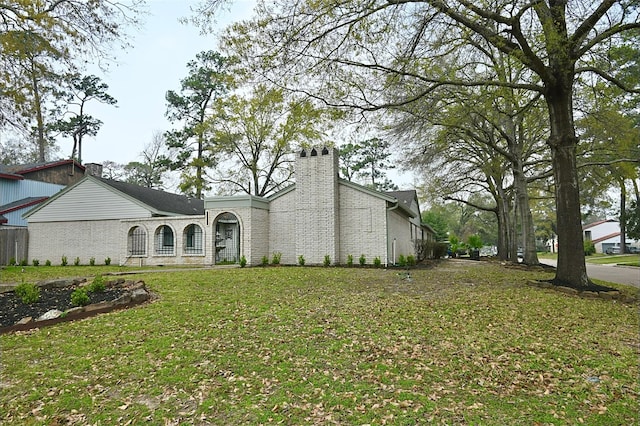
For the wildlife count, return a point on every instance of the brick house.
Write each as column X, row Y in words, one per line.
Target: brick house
column 320, row 215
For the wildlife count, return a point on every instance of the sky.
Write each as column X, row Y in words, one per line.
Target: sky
column 145, row 72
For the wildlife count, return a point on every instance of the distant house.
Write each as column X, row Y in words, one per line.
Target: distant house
column 605, row 235
column 319, row 216
column 21, row 188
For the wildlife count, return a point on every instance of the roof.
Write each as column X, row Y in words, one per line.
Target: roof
column 161, row 201
column 600, row 222
column 21, row 204
column 606, row 237
column 21, row 169
column 407, row 197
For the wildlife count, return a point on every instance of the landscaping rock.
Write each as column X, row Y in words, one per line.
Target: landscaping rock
column 49, row 315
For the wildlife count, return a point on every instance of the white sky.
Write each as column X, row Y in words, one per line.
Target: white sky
column 155, row 64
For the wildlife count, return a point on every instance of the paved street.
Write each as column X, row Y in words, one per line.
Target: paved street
column 612, row 273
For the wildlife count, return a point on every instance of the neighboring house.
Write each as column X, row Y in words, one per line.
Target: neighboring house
column 320, row 215
column 605, row 235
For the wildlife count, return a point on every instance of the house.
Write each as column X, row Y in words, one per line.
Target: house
column 320, row 215
column 605, row 235
column 21, row 188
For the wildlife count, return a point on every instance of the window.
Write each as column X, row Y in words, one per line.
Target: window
column 193, row 239
column 164, row 240
column 137, row 241
column 587, row 235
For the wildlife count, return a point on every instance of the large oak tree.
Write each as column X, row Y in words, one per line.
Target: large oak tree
column 381, row 54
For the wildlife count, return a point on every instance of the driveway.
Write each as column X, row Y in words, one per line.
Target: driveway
column 614, row 274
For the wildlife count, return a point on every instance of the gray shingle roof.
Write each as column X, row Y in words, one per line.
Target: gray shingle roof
column 159, row 200
column 405, row 197
column 25, row 202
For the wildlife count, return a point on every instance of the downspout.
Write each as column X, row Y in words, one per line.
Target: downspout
column 393, row 254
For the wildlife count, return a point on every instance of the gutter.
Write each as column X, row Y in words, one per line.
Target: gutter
column 393, row 245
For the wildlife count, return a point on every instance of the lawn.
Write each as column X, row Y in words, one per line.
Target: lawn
column 619, row 259
column 463, row 343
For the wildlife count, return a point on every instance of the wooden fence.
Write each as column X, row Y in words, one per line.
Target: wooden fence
column 13, row 244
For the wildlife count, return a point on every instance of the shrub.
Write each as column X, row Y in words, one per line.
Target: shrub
column 12, row 261
column 79, row 297
column 589, row 248
column 243, row 261
column 76, row 261
column 362, row 260
column 24, row 262
column 327, row 260
column 411, row 260
column 107, row 261
column 47, row 263
column 377, row 262
column 265, row 260
column 35, row 262
column 350, row 260
column 97, row 285
column 63, row 261
column 92, row 261
column 275, row 259
column 301, row 260
column 28, row 293
column 402, row 261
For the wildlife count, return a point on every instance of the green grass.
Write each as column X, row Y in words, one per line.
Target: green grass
column 469, row 344
column 618, row 259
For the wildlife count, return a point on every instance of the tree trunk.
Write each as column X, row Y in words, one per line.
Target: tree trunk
column 623, row 216
column 502, row 212
column 571, row 269
column 530, row 257
column 40, row 136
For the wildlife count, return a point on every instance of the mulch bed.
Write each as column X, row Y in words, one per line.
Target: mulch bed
column 12, row 309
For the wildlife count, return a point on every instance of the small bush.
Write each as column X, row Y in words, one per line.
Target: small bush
column 362, row 260
column 275, row 259
column 327, row 260
column 301, row 260
column 589, row 248
column 63, row 261
column 28, row 293
column 12, row 261
column 76, row 261
column 350, row 260
column 265, row 261
column 35, row 262
column 107, row 261
column 24, row 262
column 377, row 262
column 79, row 297
column 402, row 261
column 411, row 260
column 97, row 285
column 92, row 261
column 47, row 263
column 243, row 261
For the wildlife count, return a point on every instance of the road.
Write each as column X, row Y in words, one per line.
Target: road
column 614, row 274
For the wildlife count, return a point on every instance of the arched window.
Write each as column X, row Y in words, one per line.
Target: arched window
column 164, row 240
column 193, row 239
column 137, row 241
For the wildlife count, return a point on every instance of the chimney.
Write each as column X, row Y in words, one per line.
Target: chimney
column 93, row 169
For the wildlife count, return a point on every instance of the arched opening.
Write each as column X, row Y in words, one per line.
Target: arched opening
column 193, row 239
column 165, row 243
column 227, row 239
column 137, row 241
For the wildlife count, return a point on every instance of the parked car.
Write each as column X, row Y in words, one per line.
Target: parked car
column 613, row 250
column 634, row 250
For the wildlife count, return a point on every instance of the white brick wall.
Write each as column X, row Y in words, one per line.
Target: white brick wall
column 84, row 239
column 363, row 228
column 282, row 229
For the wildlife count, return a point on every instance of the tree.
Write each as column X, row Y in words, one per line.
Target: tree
column 381, row 55
column 193, row 145
column 438, row 222
column 44, row 40
column 257, row 134
column 368, row 160
column 80, row 124
column 150, row 172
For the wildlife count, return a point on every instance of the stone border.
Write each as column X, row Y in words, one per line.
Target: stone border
column 135, row 293
column 604, row 295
